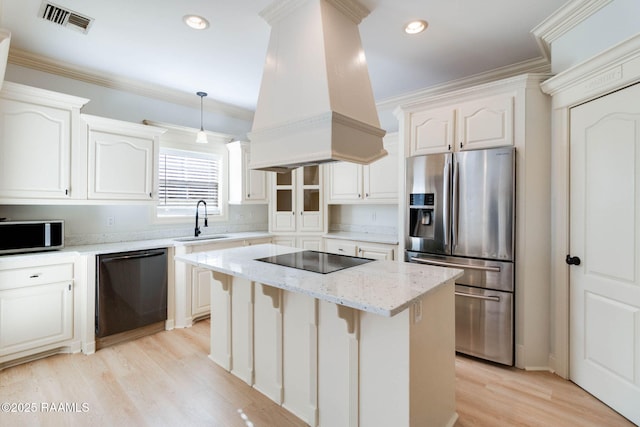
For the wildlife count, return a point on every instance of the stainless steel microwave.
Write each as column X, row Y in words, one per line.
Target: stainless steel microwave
column 30, row 236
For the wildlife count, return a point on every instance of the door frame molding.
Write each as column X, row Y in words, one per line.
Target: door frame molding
column 611, row 70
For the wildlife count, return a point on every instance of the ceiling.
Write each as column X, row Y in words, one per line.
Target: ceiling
column 147, row 41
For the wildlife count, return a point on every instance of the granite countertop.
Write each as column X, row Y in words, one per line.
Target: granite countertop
column 382, row 287
column 105, row 248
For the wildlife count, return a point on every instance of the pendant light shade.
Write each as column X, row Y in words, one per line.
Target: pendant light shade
column 201, row 138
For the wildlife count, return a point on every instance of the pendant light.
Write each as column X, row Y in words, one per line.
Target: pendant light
column 201, row 138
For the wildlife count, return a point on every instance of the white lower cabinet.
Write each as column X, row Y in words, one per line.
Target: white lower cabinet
column 331, row 365
column 36, row 311
column 200, row 292
column 361, row 249
column 193, row 284
column 310, row 243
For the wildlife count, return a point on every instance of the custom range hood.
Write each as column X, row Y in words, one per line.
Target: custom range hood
column 5, row 39
column 315, row 103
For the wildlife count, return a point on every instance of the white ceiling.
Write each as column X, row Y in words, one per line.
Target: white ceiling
column 147, row 41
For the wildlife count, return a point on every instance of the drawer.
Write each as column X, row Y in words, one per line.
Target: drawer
column 340, row 247
column 38, row 275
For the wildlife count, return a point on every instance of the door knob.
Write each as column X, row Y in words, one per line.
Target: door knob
column 572, row 260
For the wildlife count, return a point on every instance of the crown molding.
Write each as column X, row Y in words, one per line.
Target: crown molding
column 563, row 20
column 47, row 65
column 610, row 70
column 222, row 138
column 531, row 66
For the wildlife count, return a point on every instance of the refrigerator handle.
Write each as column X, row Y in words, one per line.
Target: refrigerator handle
column 446, row 177
column 454, row 215
column 490, row 268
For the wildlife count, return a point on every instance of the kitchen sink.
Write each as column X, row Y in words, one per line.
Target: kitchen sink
column 200, row 238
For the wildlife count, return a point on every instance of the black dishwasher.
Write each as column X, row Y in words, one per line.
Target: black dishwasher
column 131, row 295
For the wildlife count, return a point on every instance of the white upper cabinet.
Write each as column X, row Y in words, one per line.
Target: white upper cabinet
column 37, row 138
column 432, row 131
column 487, row 122
column 246, row 185
column 123, row 159
column 480, row 123
column 298, row 203
column 374, row 183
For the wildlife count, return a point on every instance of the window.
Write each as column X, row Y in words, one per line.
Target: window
column 184, row 177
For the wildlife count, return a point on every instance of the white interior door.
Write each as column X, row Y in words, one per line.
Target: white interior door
column 605, row 231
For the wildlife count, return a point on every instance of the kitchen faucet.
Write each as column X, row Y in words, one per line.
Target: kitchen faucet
column 197, row 231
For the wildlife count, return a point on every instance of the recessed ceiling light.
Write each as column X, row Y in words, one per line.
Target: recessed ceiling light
column 415, row 27
column 196, row 22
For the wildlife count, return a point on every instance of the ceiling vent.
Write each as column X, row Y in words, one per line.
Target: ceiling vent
column 64, row 17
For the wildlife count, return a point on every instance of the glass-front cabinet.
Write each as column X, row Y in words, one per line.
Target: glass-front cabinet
column 297, row 204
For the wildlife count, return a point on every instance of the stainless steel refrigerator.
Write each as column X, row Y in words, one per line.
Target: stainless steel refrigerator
column 461, row 213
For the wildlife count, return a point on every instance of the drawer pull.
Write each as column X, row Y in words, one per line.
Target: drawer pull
column 35, row 276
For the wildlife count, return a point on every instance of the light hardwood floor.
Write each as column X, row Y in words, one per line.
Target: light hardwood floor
column 167, row 380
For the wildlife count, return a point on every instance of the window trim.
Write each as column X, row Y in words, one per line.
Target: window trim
column 183, row 139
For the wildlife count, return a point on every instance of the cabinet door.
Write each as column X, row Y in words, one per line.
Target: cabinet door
column 310, row 243
column 121, row 166
column 35, row 316
column 285, row 241
column 35, row 150
column 381, row 177
column 376, row 252
column 200, row 292
column 431, row 131
column 283, row 209
column 486, row 122
column 345, row 182
column 310, row 202
column 255, row 182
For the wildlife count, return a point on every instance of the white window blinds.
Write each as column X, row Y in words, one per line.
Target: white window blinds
column 186, row 177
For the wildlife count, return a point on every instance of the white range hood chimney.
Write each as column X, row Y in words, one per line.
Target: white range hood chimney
column 5, row 39
column 315, row 103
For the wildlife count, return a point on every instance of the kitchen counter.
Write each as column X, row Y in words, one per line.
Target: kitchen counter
column 104, row 248
column 370, row 345
column 381, row 287
column 388, row 239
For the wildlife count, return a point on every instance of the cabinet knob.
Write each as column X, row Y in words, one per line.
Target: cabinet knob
column 461, row 145
column 359, row 196
column 248, row 195
column 293, row 213
column 66, row 191
column 151, row 195
column 366, row 195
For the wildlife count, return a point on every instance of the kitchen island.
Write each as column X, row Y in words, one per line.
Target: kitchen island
column 370, row 345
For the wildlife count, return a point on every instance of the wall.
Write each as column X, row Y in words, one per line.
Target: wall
column 379, row 219
column 90, row 224
column 121, row 105
column 615, row 22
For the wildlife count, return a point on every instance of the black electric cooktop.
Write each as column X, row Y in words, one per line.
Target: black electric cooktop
column 318, row 262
